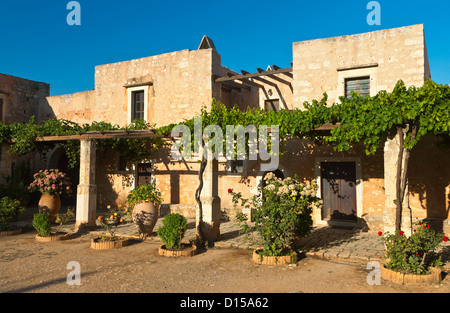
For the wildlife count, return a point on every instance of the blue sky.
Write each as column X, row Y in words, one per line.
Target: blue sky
column 37, row 43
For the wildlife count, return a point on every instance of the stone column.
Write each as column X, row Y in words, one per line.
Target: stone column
column 87, row 190
column 210, row 201
column 391, row 149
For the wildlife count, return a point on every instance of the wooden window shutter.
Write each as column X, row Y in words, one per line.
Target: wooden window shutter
column 361, row 85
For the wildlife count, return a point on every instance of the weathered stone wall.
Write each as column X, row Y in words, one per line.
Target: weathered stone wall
column 21, row 99
column 78, row 107
column 181, row 85
column 399, row 53
column 429, row 179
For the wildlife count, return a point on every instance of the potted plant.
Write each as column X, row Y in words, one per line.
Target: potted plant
column 144, row 201
column 42, row 223
column 172, row 233
column 280, row 213
column 52, row 184
column 9, row 210
column 110, row 222
column 63, row 218
column 413, row 260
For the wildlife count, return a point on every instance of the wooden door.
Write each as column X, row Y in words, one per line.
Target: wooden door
column 338, row 185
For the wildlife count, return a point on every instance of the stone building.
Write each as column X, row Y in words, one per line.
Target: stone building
column 171, row 87
column 19, row 99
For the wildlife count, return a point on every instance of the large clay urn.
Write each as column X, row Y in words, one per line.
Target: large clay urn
column 49, row 204
column 145, row 215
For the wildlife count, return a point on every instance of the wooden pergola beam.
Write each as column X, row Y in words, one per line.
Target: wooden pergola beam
column 251, row 82
column 328, row 126
column 113, row 134
column 280, row 80
column 265, row 81
column 234, row 85
column 254, row 75
column 260, row 70
column 287, row 74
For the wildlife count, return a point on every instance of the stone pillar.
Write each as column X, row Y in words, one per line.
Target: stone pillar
column 391, row 149
column 87, row 190
column 210, row 201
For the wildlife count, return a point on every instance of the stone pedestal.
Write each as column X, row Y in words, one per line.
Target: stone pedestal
column 210, row 202
column 87, row 190
column 391, row 149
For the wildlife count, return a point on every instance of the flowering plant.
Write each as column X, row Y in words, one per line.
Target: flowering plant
column 144, row 193
column 52, row 182
column 281, row 211
column 111, row 220
column 414, row 254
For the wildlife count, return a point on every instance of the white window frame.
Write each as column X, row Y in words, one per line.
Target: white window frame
column 130, row 91
column 345, row 74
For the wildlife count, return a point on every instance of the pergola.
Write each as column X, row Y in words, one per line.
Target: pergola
column 86, row 201
column 247, row 80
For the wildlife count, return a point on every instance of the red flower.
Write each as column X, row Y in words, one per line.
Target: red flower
column 380, row 233
column 400, row 233
column 418, row 255
column 445, row 238
column 230, row 190
column 420, row 223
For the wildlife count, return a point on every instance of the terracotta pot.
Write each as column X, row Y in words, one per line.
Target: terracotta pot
column 98, row 243
column 435, row 276
column 52, row 237
column 273, row 260
column 49, row 204
column 145, row 215
column 187, row 251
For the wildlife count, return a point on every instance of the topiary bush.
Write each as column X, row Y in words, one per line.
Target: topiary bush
column 41, row 222
column 173, row 230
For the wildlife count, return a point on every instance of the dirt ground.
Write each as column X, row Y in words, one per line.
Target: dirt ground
column 27, row 266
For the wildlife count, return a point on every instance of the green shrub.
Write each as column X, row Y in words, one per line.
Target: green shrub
column 41, row 222
column 173, row 230
column 414, row 254
column 15, row 185
column 9, row 210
